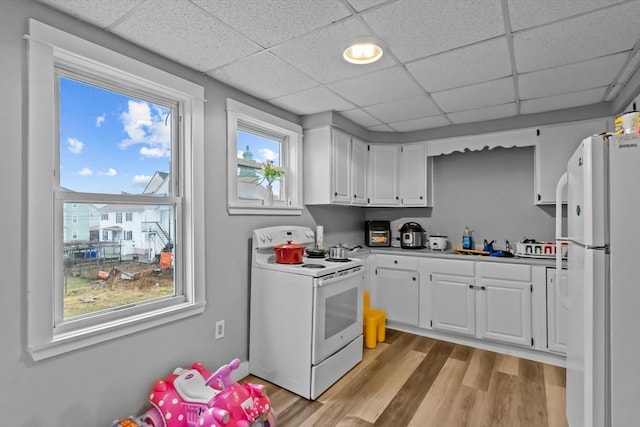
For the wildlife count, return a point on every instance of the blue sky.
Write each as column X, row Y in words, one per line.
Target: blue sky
column 110, row 143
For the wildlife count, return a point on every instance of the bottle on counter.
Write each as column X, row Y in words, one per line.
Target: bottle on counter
column 467, row 240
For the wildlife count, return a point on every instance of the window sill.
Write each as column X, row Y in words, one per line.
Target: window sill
column 264, row 210
column 64, row 343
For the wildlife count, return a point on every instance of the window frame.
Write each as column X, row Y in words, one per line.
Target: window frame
column 49, row 49
column 242, row 116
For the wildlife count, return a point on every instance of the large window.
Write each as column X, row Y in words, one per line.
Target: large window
column 255, row 139
column 122, row 137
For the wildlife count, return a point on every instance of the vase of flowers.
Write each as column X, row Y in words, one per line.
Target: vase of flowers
column 269, row 174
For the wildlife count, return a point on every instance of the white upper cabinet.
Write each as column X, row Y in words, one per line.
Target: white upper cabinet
column 399, row 175
column 359, row 154
column 384, row 177
column 554, row 146
column 329, row 168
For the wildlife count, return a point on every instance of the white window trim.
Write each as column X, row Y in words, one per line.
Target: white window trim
column 47, row 46
column 237, row 111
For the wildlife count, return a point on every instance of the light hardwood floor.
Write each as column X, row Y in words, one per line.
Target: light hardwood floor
column 416, row 381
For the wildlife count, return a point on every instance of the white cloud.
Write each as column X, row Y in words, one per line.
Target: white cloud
column 265, row 154
column 146, row 126
column 110, row 172
column 100, row 120
column 85, row 172
column 141, row 180
column 155, row 152
column 75, row 145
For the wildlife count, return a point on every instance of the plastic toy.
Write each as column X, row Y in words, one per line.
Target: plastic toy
column 130, row 422
column 196, row 397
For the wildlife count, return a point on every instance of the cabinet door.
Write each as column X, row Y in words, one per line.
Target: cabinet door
column 397, row 293
column 413, row 175
column 359, row 172
column 557, row 311
column 554, row 147
column 383, row 175
column 504, row 311
column 453, row 304
column 341, row 167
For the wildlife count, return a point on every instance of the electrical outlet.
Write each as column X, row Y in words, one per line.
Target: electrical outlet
column 219, row 329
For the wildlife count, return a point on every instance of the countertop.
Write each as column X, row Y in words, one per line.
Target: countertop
column 428, row 253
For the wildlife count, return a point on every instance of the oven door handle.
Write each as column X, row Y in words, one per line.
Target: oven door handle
column 337, row 278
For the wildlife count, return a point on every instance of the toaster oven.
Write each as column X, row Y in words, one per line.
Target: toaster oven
column 377, row 233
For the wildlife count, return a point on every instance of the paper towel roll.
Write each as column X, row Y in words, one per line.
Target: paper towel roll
column 320, row 236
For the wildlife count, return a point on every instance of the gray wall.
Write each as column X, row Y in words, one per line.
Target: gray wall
column 490, row 191
column 93, row 386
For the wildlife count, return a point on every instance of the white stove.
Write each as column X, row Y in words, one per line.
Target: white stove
column 264, row 240
column 306, row 319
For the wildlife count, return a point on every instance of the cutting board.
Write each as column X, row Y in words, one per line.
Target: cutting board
column 461, row 251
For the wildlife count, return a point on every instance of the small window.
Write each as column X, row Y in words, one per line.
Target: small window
column 118, row 217
column 129, row 216
column 74, row 235
column 74, row 218
column 104, row 217
column 256, row 139
column 128, row 235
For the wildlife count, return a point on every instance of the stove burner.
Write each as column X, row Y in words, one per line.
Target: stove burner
column 313, row 266
column 337, row 259
column 315, row 255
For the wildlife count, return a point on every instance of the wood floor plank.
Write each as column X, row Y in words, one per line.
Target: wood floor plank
column 506, row 364
column 462, row 352
column 461, row 410
column 435, row 406
column 556, row 405
column 351, row 421
column 506, row 401
column 298, row 413
column 480, row 367
column 532, row 392
column 555, row 375
column 401, row 409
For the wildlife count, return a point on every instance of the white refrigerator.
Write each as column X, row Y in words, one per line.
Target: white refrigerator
column 603, row 234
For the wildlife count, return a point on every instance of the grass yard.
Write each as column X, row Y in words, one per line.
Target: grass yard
column 85, row 293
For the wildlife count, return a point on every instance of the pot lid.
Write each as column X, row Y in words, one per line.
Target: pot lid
column 411, row 226
column 288, row 245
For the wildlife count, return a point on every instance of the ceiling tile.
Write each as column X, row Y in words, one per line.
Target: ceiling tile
column 527, row 13
column 404, row 109
column 262, row 21
column 360, row 117
column 486, row 94
column 418, row 28
column 380, row 86
column 263, row 75
column 571, row 78
column 632, row 66
column 473, row 64
column 361, row 5
column 381, row 128
column 421, row 123
column 315, row 100
column 582, row 38
column 482, row 114
column 319, row 54
column 559, row 102
column 99, row 13
column 180, row 31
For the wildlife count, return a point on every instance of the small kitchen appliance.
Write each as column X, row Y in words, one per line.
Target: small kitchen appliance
column 377, row 233
column 412, row 236
column 437, row 242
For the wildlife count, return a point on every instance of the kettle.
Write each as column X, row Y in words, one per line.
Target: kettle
column 412, row 236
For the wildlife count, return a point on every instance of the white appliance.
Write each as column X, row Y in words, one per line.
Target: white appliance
column 306, row 319
column 603, row 343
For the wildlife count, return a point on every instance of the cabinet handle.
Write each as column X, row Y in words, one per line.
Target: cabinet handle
column 395, row 261
column 470, row 286
column 420, row 197
column 483, row 288
column 335, row 194
column 414, row 279
column 355, row 196
column 397, row 197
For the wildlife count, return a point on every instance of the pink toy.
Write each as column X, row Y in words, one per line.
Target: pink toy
column 196, row 397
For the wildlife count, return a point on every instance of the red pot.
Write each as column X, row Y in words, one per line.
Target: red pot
column 289, row 253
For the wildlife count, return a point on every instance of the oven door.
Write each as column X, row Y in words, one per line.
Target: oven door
column 337, row 312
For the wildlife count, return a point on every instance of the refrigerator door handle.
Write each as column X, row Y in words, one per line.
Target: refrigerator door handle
column 582, row 245
column 562, row 183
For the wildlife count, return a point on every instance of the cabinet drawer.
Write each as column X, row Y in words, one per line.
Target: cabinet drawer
column 495, row 270
column 452, row 266
column 397, row 262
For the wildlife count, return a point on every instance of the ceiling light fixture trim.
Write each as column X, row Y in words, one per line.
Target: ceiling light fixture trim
column 363, row 51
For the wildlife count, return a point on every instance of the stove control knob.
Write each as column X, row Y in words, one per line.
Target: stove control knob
column 262, row 238
column 269, row 237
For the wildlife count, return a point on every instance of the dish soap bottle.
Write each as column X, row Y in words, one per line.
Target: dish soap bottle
column 467, row 240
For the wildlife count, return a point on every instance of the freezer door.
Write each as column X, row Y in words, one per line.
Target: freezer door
column 586, row 191
column 625, row 280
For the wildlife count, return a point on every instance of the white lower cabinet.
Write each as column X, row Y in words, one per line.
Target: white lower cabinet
column 395, row 288
column 484, row 300
column 557, row 311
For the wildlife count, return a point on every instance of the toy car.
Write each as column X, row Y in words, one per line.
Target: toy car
column 196, row 397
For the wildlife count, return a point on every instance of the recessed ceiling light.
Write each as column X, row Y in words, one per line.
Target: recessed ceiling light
column 362, row 52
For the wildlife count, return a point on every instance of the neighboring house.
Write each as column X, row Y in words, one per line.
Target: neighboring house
column 78, row 218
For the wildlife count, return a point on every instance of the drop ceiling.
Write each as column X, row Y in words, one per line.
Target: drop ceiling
column 444, row 63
